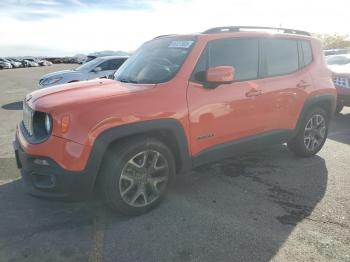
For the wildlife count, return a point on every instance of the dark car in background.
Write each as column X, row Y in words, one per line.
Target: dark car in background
column 89, row 58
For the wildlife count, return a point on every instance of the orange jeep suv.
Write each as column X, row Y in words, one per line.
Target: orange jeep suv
column 178, row 102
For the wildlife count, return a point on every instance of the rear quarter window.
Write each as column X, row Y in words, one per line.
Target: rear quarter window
column 306, row 51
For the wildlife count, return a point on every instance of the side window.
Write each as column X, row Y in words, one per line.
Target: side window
column 242, row 54
column 201, row 67
column 104, row 66
column 113, row 64
column 280, row 57
column 307, row 52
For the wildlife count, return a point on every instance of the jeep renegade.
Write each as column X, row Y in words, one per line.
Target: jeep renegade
column 178, row 102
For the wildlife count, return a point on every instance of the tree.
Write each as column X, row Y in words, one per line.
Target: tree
column 334, row 41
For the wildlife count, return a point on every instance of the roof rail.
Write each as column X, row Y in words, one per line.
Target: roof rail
column 160, row 36
column 225, row 29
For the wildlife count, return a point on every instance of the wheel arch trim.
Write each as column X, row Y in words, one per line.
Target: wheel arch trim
column 323, row 99
column 113, row 134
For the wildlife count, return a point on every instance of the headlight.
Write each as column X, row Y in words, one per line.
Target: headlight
column 37, row 125
column 48, row 123
column 51, row 81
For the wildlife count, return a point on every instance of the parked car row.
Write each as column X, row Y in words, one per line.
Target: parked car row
column 64, row 60
column 8, row 63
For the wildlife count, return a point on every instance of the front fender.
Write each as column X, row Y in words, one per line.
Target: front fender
column 111, row 135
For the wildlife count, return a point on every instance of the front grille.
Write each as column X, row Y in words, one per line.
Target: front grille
column 341, row 81
column 28, row 119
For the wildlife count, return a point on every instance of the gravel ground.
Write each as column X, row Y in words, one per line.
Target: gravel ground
column 262, row 206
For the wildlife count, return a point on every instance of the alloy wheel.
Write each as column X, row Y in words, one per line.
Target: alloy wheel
column 144, row 178
column 315, row 132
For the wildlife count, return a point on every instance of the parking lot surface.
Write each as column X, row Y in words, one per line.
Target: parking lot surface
column 267, row 205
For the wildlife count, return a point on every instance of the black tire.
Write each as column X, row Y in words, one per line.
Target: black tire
column 298, row 144
column 116, row 162
column 339, row 108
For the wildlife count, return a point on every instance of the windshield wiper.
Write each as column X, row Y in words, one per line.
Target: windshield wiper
column 124, row 80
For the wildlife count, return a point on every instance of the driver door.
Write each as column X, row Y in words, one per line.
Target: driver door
column 229, row 111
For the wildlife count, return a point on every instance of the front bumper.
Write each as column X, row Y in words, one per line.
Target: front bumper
column 44, row 177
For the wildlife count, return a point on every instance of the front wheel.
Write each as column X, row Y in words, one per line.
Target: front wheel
column 311, row 135
column 136, row 174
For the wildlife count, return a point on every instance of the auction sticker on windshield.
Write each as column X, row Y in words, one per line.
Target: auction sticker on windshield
column 180, row 44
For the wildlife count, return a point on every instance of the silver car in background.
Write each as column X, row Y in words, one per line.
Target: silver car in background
column 5, row 64
column 97, row 68
column 14, row 63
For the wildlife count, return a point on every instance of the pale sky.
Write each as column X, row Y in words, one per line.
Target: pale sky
column 68, row 27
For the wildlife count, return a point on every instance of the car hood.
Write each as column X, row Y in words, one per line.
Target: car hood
column 340, row 69
column 81, row 92
column 60, row 73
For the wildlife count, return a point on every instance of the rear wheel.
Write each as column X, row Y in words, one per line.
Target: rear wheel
column 311, row 135
column 135, row 176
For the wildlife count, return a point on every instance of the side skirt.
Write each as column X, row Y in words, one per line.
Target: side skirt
column 244, row 145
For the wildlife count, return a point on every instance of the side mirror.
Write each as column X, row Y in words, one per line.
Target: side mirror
column 97, row 69
column 220, row 75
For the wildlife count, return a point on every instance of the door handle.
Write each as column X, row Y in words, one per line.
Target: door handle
column 253, row 92
column 303, row 84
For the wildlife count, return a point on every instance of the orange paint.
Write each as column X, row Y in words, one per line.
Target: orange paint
column 82, row 111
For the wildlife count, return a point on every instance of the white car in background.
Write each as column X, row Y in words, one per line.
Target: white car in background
column 340, row 67
column 45, row 63
column 5, row 64
column 338, row 60
column 14, row 63
column 31, row 63
column 40, row 62
column 97, row 68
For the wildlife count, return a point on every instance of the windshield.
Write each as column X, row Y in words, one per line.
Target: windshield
column 89, row 65
column 338, row 60
column 156, row 61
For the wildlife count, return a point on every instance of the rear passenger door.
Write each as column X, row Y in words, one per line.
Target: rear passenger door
column 284, row 81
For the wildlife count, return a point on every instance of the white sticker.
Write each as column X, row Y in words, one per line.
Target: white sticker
column 180, row 44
